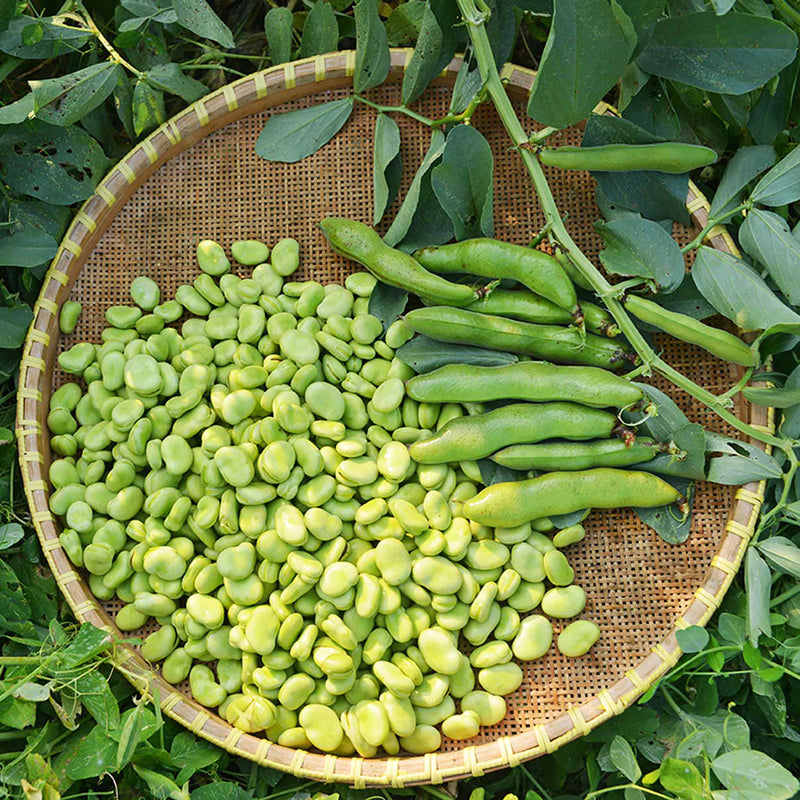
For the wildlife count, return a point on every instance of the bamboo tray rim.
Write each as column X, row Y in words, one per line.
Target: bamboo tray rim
column 245, row 96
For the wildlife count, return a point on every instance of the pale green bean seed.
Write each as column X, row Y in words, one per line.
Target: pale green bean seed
column 528, row 562
column 490, row 708
column 285, row 260
column 338, row 578
column 439, row 651
column 564, row 602
column 407, row 515
column 557, row 568
column 437, row 574
column 393, row 561
column 394, row 461
column 211, row 258
column 461, row 726
column 68, row 318
column 501, row 679
column 425, row 739
column 325, row 401
column 433, row 715
column 577, row 638
column 388, row 396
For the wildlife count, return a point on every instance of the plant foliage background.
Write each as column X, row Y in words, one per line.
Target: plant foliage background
column 82, row 82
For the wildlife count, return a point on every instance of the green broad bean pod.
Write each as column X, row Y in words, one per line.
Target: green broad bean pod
column 559, row 344
column 670, row 157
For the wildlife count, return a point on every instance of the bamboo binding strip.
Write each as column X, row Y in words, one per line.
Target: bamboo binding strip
column 641, row 590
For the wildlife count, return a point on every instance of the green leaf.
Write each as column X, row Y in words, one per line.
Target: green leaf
column 55, row 165
column 87, row 644
column 387, row 164
column 10, row 534
column 89, row 755
column 52, row 39
column 14, row 324
column 387, row 303
column 752, row 775
column 692, row 639
column 160, row 786
column 170, row 78
column 683, row 779
column 27, row 248
column 496, row 473
column 690, row 438
column 738, row 292
column 652, row 109
column 767, row 238
column 425, row 355
column 757, row 585
column 734, row 462
column 404, row 23
column 430, row 224
column 18, row 111
column 17, row 713
column 425, row 60
column 732, row 54
column 33, row 692
column 294, row 135
column 585, row 55
column 278, row 24
column 405, row 215
column 772, row 398
column 463, row 183
column 198, row 17
column 667, row 521
column 781, row 185
column 372, row 49
column 771, row 111
column 731, row 628
column 655, row 195
column 782, row 553
column 624, row 759
column 642, row 248
column 148, row 107
column 66, row 100
column 192, row 754
column 220, row 790
column 747, row 163
column 321, row 31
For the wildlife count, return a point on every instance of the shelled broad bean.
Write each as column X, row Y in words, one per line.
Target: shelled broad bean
column 243, row 479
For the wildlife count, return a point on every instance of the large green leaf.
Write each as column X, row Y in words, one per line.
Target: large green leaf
column 199, row 17
column 405, row 215
column 463, row 183
column 278, row 24
column 738, row 292
column 747, row 163
column 387, row 164
column 730, row 54
column 769, row 114
column 372, row 49
column 767, row 238
column 753, row 775
column 641, row 247
column 293, row 135
column 171, row 78
column 426, row 58
column 66, row 100
column 27, row 248
column 321, row 31
column 53, row 38
column 585, row 55
column 781, row 185
column 758, row 585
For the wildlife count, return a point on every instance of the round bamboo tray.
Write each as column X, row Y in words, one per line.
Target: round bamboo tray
column 197, row 176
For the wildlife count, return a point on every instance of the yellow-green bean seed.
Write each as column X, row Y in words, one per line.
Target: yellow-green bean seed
column 568, row 536
column 501, row 679
column 393, row 561
column 439, row 651
column 564, row 602
column 557, row 568
column 528, row 562
column 211, row 258
column 461, row 726
column 577, row 638
column 68, row 318
column 490, row 708
column 534, row 638
column 425, row 739
column 393, row 678
column 438, row 575
column 250, row 252
column 325, row 401
column 285, row 260
column 338, row 578
column 393, row 461
column 407, row 515
column 388, row 396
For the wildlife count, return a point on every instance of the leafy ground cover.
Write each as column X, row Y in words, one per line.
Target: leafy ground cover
column 82, row 82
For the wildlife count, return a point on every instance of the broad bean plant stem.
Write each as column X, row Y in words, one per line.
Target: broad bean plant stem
column 475, row 14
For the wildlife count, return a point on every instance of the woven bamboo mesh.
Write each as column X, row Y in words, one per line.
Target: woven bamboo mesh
column 198, row 177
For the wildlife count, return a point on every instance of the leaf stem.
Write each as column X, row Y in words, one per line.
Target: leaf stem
column 397, row 109
column 475, row 14
column 712, row 222
column 784, row 596
column 539, row 136
column 86, row 18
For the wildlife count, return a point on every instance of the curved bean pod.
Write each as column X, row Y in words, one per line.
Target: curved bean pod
column 530, row 307
column 540, row 272
column 551, row 342
column 527, row 380
column 719, row 343
column 470, row 438
column 569, row 456
column 359, row 242
column 672, row 157
column 509, row 504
